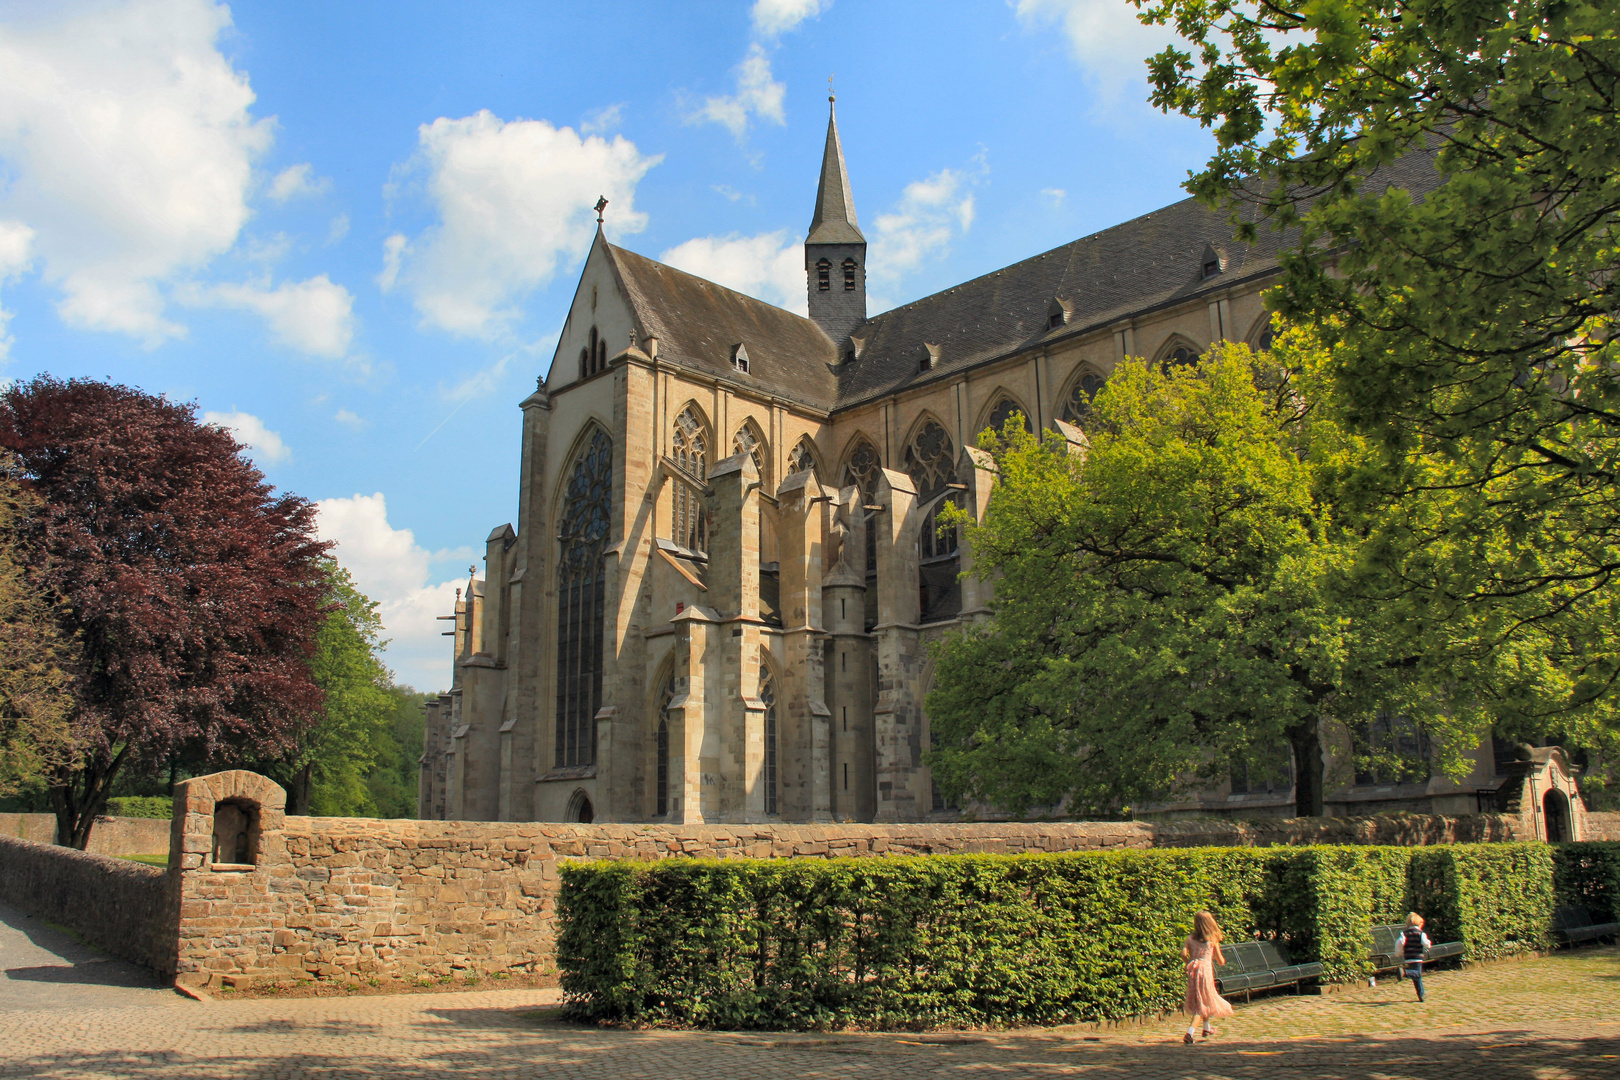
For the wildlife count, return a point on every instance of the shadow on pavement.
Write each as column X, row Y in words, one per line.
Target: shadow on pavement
column 97, row 972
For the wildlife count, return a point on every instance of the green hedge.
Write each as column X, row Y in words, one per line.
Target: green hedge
column 985, row 940
column 147, row 806
column 1588, row 875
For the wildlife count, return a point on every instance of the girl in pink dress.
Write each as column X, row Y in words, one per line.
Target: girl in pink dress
column 1203, row 954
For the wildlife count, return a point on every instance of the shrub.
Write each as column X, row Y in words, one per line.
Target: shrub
column 147, row 806
column 1323, row 900
column 1495, row 898
column 1588, row 875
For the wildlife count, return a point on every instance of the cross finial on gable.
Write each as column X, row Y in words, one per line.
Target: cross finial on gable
column 601, row 204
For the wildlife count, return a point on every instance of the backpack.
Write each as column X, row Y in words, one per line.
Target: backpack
column 1412, row 945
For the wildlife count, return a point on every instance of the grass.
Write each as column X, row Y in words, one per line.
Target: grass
column 160, row 859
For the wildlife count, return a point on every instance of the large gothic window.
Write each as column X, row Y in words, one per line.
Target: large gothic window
column 691, row 452
column 931, row 464
column 1077, row 406
column 661, row 752
column 767, row 694
column 581, row 597
column 862, row 473
column 746, row 441
column 802, row 457
column 1004, row 410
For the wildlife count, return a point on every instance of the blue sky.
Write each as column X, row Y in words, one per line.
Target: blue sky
column 350, row 231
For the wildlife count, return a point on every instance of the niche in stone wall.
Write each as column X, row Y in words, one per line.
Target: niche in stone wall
column 236, row 833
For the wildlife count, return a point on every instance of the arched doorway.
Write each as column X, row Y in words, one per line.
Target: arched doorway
column 580, row 809
column 1555, row 813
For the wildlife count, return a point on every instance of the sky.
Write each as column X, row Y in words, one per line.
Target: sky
column 350, row 232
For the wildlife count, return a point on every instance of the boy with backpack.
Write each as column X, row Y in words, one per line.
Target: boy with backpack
column 1414, row 945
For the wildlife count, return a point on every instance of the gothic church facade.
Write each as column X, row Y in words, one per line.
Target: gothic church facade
column 717, row 603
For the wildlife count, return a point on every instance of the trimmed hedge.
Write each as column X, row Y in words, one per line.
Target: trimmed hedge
column 988, row 940
column 1588, row 875
column 142, row 806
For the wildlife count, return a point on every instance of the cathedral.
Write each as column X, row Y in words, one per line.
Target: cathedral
column 718, row 601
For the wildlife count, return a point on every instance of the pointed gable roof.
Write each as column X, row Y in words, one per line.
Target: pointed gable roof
column 700, row 324
column 834, row 220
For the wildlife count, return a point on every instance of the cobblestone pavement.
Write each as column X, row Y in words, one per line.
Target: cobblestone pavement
column 66, row 1012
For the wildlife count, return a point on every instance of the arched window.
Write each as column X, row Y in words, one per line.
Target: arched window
column 767, row 695
column 581, row 595
column 931, row 464
column 661, row 760
column 747, row 441
column 862, row 472
column 689, row 523
column 1182, row 355
column 1003, row 411
column 1077, row 406
column 849, row 275
column 803, row 457
column 1267, row 336
column 823, row 275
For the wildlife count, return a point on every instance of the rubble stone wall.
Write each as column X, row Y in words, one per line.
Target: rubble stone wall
column 117, row 905
column 111, row 835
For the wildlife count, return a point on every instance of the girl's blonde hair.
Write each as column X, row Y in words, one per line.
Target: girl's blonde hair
column 1205, row 928
column 1414, row 919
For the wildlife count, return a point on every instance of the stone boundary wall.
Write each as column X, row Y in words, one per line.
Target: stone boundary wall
column 111, row 836
column 1603, row 826
column 117, row 905
column 349, row 899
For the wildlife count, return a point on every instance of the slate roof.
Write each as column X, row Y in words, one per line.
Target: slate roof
column 834, row 219
column 1153, row 260
column 699, row 323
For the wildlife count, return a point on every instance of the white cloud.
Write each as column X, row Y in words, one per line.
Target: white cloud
column 314, row 316
column 394, row 570
column 758, row 94
column 337, row 230
column 769, row 266
column 776, row 17
column 513, row 199
column 15, row 241
column 349, row 419
column 930, row 213
column 1055, row 194
column 297, row 180
column 604, row 119
column 268, row 447
column 1105, row 36
column 130, row 146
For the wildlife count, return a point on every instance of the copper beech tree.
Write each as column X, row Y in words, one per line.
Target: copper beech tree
column 194, row 590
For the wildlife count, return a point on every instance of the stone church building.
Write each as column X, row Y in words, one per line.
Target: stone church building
column 717, row 603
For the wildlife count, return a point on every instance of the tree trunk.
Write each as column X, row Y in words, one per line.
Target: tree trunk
column 79, row 797
column 1309, row 770
column 299, row 788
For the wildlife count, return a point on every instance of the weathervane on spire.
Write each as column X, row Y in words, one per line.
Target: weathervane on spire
column 601, row 204
column 830, row 95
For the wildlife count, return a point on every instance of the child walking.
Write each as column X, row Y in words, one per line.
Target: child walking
column 1203, row 954
column 1414, row 945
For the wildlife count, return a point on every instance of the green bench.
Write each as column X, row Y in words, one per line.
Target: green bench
column 1572, row 925
column 1388, row 954
column 1259, row 965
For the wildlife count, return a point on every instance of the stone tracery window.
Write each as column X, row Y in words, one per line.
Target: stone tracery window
column 862, row 473
column 802, row 457
column 1077, row 406
column 767, row 695
column 1003, row 411
column 1181, row 356
column 689, row 520
column 747, row 442
column 581, row 600
column 931, row 464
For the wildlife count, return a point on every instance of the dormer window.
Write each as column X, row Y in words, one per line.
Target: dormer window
column 1212, row 268
column 1057, row 313
column 1213, row 262
column 930, row 357
column 1054, row 320
column 823, row 275
column 739, row 358
column 849, row 355
column 849, row 275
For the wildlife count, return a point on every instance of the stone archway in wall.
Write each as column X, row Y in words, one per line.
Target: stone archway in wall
column 580, row 810
column 1557, row 817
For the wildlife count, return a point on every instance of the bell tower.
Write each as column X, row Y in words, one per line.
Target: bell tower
column 835, row 250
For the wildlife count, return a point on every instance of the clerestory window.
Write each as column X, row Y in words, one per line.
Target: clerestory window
column 581, row 601
column 689, row 524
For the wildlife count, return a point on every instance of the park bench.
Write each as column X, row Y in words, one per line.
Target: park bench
column 1571, row 925
column 1259, row 965
column 1387, row 954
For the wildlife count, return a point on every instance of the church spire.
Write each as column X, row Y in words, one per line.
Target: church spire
column 834, row 220
column 835, row 250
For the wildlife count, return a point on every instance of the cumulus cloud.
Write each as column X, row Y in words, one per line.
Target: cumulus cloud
column 604, row 119
column 349, row 419
column 772, row 18
column 394, row 570
column 267, row 446
column 920, row 227
column 314, row 316
column 769, row 266
column 1055, row 194
column 758, row 94
column 298, row 180
column 513, row 200
column 129, row 148
column 15, row 241
column 1105, row 37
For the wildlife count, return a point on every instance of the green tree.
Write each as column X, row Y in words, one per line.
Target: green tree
column 327, row 771
column 36, row 660
column 1471, row 330
column 1171, row 601
column 393, row 779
